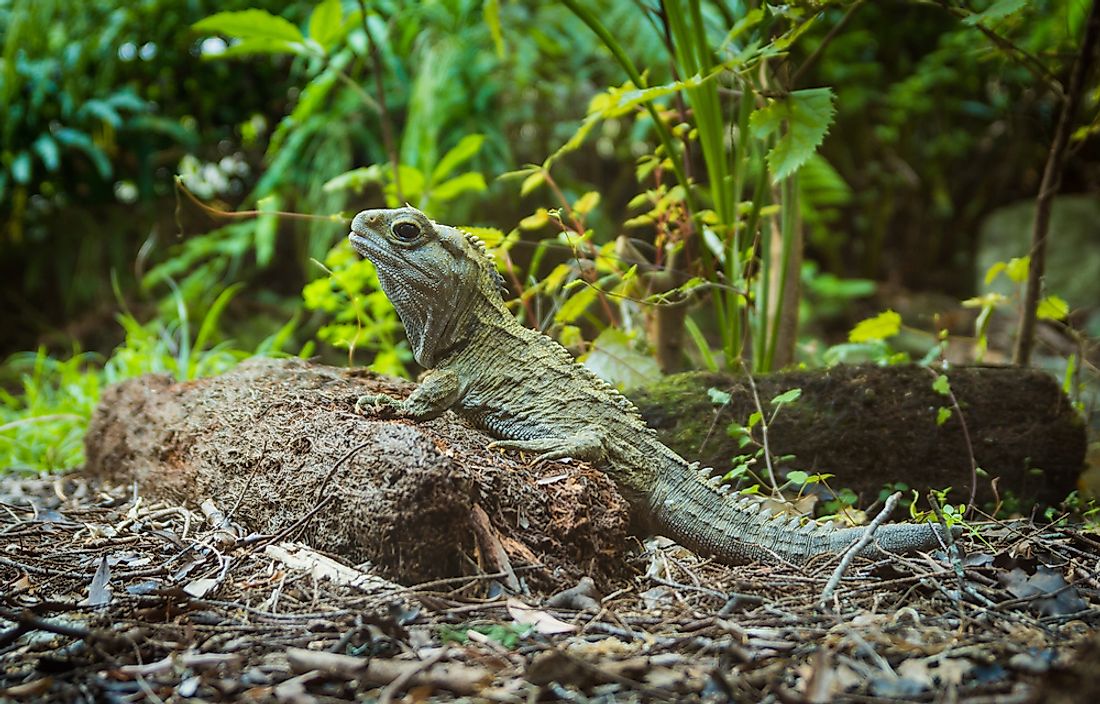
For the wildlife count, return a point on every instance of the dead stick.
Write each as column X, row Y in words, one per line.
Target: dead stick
column 492, row 552
column 863, row 542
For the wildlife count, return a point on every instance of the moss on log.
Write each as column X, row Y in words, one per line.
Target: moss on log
column 870, row 426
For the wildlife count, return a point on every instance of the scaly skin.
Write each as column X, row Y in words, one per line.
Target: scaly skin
column 525, row 389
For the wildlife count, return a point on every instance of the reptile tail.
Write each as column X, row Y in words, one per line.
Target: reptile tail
column 736, row 529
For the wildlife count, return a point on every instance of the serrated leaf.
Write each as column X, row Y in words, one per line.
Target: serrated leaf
column 999, row 9
column 943, row 414
column 885, row 324
column 1052, row 308
column 789, row 396
column 250, row 24
column 459, row 154
column 941, row 385
column 452, row 188
column 326, row 23
column 800, row 120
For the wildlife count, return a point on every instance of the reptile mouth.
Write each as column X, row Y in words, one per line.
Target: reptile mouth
column 360, row 242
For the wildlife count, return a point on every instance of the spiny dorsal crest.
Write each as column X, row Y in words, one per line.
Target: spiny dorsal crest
column 485, row 260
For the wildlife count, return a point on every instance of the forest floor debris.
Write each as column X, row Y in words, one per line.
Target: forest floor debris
column 106, row 597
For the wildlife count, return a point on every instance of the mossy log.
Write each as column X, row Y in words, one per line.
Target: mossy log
column 870, row 426
column 277, row 445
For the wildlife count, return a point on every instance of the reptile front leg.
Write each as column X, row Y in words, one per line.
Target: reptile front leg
column 437, row 392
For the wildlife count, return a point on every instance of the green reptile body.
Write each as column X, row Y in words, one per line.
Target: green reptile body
column 526, row 390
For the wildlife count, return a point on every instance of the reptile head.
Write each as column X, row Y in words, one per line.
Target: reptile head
column 433, row 275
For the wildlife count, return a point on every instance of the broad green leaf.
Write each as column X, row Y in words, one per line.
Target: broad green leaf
column 326, row 23
column 1017, row 269
column 535, row 220
column 798, row 477
column 310, row 102
column 21, row 167
column 789, row 396
column 985, row 300
column 76, row 138
column 750, row 20
column 616, row 359
column 532, row 182
column 250, row 24
column 354, row 180
column 941, row 385
column 885, row 324
column 992, row 272
column 260, row 45
column 576, row 305
column 459, row 154
column 718, row 397
column 490, row 11
column 999, row 9
column 452, row 188
column 754, row 418
column 943, row 414
column 103, row 110
column 799, row 122
column 587, row 202
column 1052, row 308
column 621, row 100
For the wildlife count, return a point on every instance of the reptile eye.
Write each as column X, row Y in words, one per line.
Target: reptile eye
column 406, row 231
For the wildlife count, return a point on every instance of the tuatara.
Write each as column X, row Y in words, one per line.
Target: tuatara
column 528, row 391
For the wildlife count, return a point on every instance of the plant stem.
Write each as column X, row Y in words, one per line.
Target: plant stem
column 384, row 113
column 1052, row 177
column 816, row 54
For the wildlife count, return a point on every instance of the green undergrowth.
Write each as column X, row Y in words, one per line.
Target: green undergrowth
column 47, row 401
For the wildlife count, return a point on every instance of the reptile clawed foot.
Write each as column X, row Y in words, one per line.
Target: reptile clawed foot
column 377, row 405
column 548, row 449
